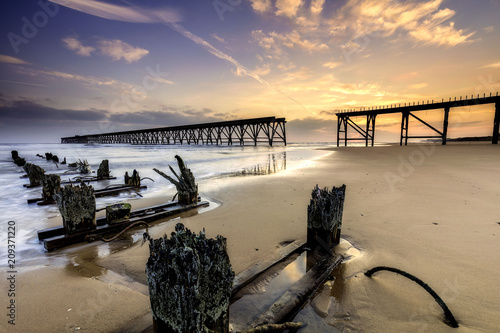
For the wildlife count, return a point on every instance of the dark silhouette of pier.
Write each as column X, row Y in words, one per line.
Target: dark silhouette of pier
column 243, row 132
column 344, row 118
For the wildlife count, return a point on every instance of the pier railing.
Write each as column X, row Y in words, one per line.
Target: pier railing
column 243, row 132
column 344, row 120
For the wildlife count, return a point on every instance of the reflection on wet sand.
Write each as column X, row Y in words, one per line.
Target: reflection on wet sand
column 275, row 163
column 257, row 296
column 327, row 311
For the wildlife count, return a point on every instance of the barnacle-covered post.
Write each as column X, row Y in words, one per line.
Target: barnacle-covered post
column 324, row 217
column 190, row 280
column 187, row 189
column 35, row 173
column 77, row 207
column 50, row 184
column 103, row 171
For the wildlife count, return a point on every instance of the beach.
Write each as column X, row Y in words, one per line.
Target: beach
column 429, row 210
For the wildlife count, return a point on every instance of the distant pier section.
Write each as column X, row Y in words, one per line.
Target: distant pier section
column 255, row 131
column 345, row 118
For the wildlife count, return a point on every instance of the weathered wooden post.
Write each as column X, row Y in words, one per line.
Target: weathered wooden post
column 103, row 171
column 187, row 189
column 50, row 184
column 35, row 174
column 190, row 281
column 18, row 160
column 115, row 213
column 324, row 217
column 135, row 180
column 77, row 207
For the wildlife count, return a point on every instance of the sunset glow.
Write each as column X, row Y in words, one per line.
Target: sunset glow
column 72, row 67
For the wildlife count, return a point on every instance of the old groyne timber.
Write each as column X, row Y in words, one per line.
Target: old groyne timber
column 344, row 118
column 243, row 132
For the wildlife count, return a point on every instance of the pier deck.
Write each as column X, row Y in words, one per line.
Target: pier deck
column 344, row 118
column 248, row 131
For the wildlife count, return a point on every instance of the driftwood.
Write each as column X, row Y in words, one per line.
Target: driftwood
column 18, row 160
column 35, row 174
column 103, row 171
column 83, row 166
column 77, row 207
column 187, row 189
column 324, row 217
column 190, row 279
column 50, row 184
column 291, row 301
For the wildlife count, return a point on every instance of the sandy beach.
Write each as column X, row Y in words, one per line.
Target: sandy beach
column 429, row 210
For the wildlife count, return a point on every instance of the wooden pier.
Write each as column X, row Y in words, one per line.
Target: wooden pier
column 243, row 132
column 344, row 118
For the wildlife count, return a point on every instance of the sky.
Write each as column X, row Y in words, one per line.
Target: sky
column 76, row 67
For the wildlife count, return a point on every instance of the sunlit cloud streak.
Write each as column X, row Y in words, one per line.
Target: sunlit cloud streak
column 121, row 13
column 141, row 15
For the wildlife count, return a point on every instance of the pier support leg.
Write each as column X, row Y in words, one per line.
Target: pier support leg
column 496, row 124
column 445, row 124
column 339, row 119
column 370, row 129
column 190, row 280
column 404, row 128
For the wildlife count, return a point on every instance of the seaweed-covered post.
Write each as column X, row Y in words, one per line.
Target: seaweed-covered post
column 50, row 184
column 190, row 280
column 103, row 171
column 324, row 217
column 35, row 173
column 77, row 207
column 186, row 186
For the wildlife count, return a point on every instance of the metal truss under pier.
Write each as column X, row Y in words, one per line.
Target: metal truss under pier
column 243, row 132
column 344, row 120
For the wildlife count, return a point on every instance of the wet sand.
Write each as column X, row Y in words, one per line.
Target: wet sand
column 429, row 210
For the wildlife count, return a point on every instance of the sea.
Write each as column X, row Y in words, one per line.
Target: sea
column 206, row 163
